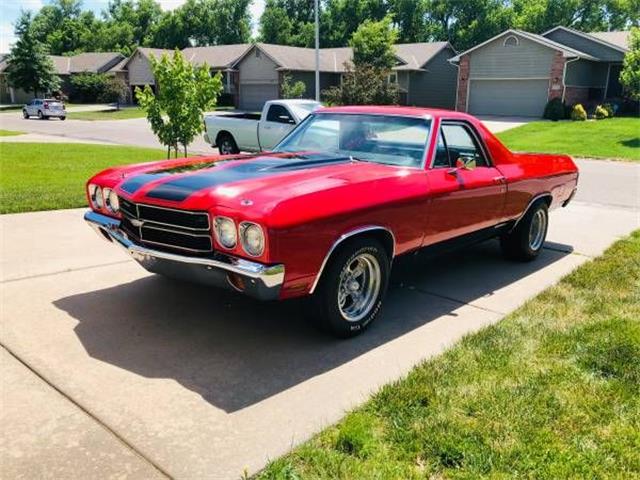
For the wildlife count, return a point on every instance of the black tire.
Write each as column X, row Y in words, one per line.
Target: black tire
column 328, row 312
column 226, row 144
column 63, row 118
column 25, row 115
column 526, row 240
column 40, row 115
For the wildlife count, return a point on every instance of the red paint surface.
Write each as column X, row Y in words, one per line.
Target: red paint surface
column 304, row 212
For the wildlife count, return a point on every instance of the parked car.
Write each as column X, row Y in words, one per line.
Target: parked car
column 327, row 211
column 255, row 132
column 44, row 108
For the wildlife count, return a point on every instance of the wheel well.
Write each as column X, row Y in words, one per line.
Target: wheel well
column 381, row 234
column 222, row 133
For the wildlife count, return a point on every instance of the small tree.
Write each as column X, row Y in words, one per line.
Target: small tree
column 29, row 66
column 184, row 92
column 373, row 42
column 363, row 85
column 115, row 91
column 87, row 86
column 292, row 90
column 630, row 74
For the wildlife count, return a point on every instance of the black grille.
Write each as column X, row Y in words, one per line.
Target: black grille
column 167, row 228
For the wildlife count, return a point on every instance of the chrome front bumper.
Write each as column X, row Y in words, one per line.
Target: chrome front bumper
column 251, row 278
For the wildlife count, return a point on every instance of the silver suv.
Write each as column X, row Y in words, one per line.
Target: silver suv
column 44, row 108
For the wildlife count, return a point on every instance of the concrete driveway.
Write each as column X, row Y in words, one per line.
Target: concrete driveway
column 498, row 124
column 110, row 371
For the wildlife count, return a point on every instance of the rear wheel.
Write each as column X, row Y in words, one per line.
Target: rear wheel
column 63, row 118
column 226, row 144
column 352, row 287
column 526, row 240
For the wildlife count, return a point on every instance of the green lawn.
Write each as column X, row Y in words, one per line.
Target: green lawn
column 614, row 138
column 10, row 133
column 39, row 176
column 122, row 114
column 552, row 391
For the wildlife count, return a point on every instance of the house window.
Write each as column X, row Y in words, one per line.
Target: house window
column 511, row 41
column 392, row 78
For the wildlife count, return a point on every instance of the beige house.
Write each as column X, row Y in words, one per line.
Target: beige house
column 253, row 73
column 65, row 68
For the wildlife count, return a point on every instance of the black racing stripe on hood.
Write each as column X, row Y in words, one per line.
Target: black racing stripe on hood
column 183, row 186
column 133, row 184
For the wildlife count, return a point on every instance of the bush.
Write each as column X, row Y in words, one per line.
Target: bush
column 554, row 110
column 601, row 112
column 292, row 90
column 578, row 113
column 115, row 91
column 610, row 109
column 363, row 85
column 88, row 86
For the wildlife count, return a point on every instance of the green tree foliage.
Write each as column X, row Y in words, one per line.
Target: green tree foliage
column 87, row 86
column 363, row 85
column 341, row 18
column 373, row 42
column 128, row 24
column 29, row 67
column 630, row 74
column 115, row 91
column 292, row 90
column 288, row 22
column 184, row 93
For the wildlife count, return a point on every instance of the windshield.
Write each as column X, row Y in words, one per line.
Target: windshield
column 385, row 139
column 303, row 109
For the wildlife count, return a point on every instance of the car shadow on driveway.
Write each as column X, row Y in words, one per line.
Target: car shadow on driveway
column 235, row 352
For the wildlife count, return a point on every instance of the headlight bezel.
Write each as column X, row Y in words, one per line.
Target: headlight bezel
column 110, row 198
column 245, row 227
column 96, row 196
column 219, row 220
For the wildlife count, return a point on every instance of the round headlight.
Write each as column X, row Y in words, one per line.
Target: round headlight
column 111, row 200
column 225, row 230
column 252, row 238
column 95, row 194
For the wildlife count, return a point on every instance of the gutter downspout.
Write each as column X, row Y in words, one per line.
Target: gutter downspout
column 455, row 107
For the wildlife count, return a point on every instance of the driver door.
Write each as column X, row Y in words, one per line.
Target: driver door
column 278, row 123
column 468, row 192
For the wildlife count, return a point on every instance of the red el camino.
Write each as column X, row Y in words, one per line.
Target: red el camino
column 325, row 213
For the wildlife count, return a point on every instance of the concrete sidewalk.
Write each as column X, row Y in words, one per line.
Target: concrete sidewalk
column 164, row 377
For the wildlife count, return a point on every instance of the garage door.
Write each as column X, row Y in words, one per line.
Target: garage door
column 508, row 97
column 253, row 95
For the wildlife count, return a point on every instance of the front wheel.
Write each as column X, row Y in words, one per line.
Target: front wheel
column 352, row 287
column 526, row 240
column 40, row 115
column 63, row 118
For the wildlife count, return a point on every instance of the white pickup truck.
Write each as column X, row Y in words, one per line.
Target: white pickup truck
column 255, row 132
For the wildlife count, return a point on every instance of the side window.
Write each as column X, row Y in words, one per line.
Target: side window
column 442, row 157
column 461, row 144
column 279, row 114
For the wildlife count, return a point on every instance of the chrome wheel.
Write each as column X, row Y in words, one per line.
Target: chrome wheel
column 226, row 147
column 538, row 230
column 360, row 282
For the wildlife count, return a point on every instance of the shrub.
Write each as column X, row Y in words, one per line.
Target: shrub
column 88, row 86
column 292, row 90
column 601, row 112
column 554, row 110
column 363, row 85
column 610, row 110
column 115, row 91
column 578, row 113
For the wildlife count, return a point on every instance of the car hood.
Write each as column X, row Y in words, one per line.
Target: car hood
column 260, row 184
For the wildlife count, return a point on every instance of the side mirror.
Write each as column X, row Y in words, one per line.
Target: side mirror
column 466, row 163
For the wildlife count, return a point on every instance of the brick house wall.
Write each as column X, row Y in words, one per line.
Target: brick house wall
column 463, row 83
column 556, row 82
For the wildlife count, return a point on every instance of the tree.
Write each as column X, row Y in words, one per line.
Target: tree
column 216, row 22
column 115, row 91
column 373, row 43
column 630, row 74
column 363, row 85
column 343, row 17
column 65, row 28
column 29, row 66
column 184, row 93
column 87, row 86
column 292, row 90
column 288, row 22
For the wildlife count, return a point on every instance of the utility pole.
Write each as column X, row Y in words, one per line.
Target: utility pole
column 317, row 53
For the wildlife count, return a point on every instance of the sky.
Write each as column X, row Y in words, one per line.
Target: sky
column 10, row 10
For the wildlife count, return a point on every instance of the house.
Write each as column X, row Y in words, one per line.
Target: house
column 517, row 72
column 253, row 73
column 65, row 68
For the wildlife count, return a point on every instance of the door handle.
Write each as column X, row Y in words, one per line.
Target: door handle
column 499, row 180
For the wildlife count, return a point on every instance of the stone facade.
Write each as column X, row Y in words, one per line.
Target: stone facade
column 463, row 83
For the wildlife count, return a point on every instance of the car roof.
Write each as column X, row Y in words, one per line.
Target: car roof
column 396, row 110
